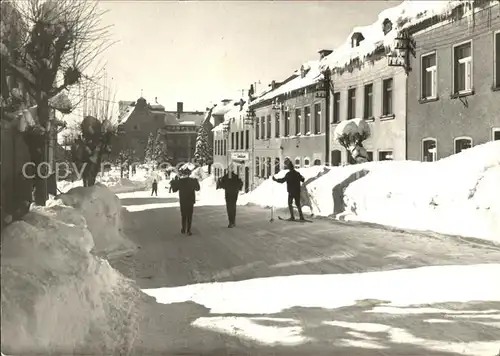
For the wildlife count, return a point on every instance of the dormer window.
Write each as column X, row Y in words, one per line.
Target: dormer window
column 387, row 26
column 356, row 39
column 302, row 72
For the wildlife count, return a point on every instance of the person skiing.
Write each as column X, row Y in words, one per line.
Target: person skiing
column 293, row 180
column 232, row 184
column 154, row 188
column 186, row 186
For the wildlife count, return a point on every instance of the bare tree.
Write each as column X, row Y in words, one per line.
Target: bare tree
column 97, row 129
column 61, row 39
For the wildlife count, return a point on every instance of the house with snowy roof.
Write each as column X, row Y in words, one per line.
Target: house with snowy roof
column 454, row 85
column 366, row 85
column 138, row 119
column 290, row 121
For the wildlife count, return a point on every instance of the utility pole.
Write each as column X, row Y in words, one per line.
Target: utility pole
column 329, row 90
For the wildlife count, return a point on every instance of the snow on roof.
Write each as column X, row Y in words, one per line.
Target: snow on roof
column 406, row 14
column 127, row 114
column 236, row 112
column 312, row 76
column 222, row 108
column 187, row 123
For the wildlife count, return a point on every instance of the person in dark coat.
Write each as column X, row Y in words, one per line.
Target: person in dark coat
column 175, row 178
column 154, row 188
column 293, row 180
column 186, row 186
column 232, row 184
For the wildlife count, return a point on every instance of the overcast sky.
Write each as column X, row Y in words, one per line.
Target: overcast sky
column 202, row 51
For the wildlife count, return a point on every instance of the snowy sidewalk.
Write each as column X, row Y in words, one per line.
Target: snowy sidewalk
column 289, row 289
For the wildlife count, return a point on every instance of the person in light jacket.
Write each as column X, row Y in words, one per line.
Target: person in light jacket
column 293, row 180
column 186, row 186
column 232, row 184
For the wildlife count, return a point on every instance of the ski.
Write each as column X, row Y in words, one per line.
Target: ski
column 296, row 220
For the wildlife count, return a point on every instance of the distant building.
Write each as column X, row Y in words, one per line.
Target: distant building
column 181, row 129
column 138, row 119
column 454, row 85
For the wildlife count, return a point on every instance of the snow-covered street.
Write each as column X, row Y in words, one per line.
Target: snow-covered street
column 328, row 287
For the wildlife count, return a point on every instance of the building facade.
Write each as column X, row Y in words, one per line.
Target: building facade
column 454, row 85
column 240, row 143
column 290, row 122
column 139, row 119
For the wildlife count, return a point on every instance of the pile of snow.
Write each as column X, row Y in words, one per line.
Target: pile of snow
column 102, row 211
column 56, row 296
column 272, row 194
column 457, row 195
column 209, row 194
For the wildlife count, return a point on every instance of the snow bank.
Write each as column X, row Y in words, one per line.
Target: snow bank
column 272, row 194
column 56, row 296
column 457, row 195
column 102, row 211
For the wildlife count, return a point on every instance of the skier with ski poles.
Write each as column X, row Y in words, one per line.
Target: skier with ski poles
column 232, row 184
column 293, row 180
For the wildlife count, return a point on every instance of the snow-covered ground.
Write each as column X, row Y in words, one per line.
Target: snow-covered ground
column 458, row 195
column 428, row 285
column 58, row 296
column 141, row 180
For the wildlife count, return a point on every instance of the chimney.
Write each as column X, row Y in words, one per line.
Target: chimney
column 273, row 85
column 156, row 100
column 324, row 52
column 180, row 109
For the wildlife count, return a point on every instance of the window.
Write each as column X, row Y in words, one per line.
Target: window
column 297, row 162
column 307, row 120
column 356, row 39
column 263, row 168
column 351, row 103
column 257, row 166
column 497, row 60
column 232, row 141
column 462, row 67
column 277, row 164
column 247, row 139
column 298, row 121
column 387, row 97
column 277, row 125
column 336, row 107
column 287, row 123
column 268, row 167
column 225, row 148
column 429, row 76
column 317, row 118
column 242, row 137
column 317, row 162
column 385, row 155
column 307, row 162
column 263, row 127
column 368, row 114
column 257, row 134
column 369, row 156
column 237, row 146
column 268, row 126
column 429, row 150
column 462, row 143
